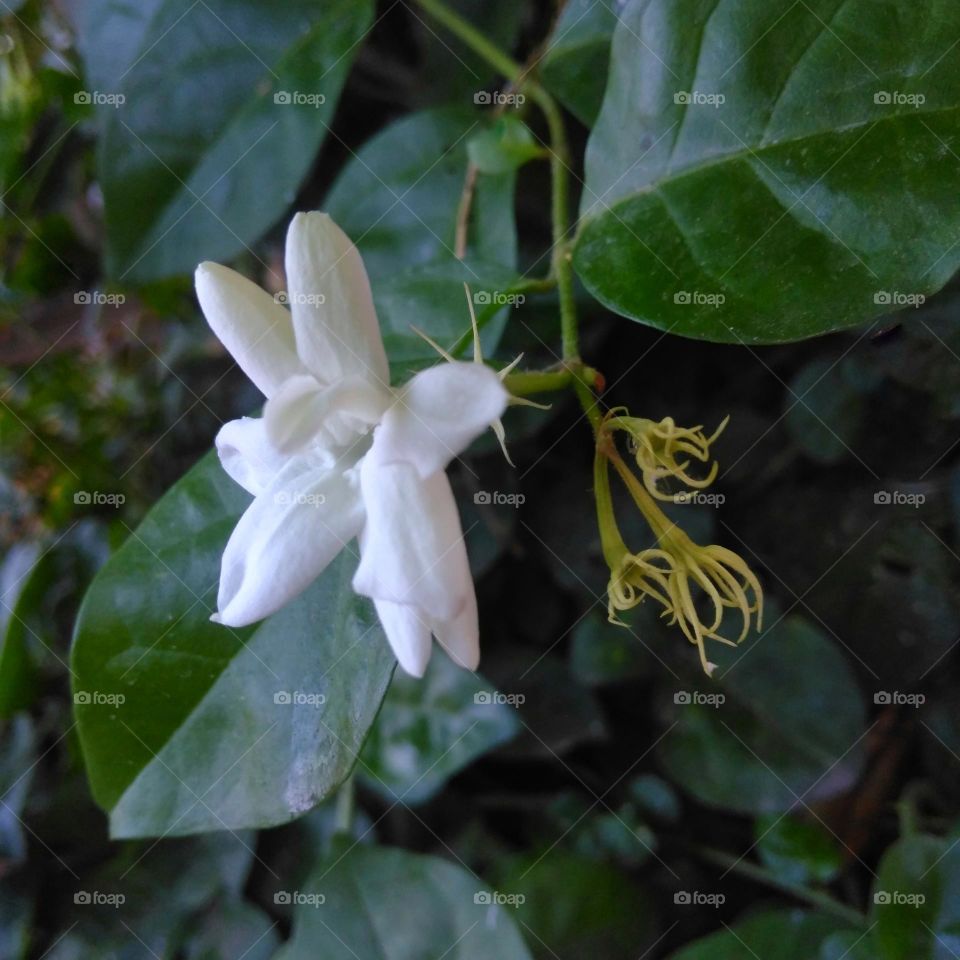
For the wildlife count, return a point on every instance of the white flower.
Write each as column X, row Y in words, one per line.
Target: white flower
column 340, row 454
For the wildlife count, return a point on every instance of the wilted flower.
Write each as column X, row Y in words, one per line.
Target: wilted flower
column 676, row 573
column 340, row 454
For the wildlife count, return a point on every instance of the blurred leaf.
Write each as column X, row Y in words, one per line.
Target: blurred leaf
column 916, row 900
column 788, row 733
column 393, row 905
column 602, row 652
column 503, row 147
column 236, row 930
column 398, row 199
column 759, row 171
column 798, row 851
column 655, row 797
column 207, row 148
column 579, row 908
column 16, row 911
column 430, row 729
column 772, row 935
column 18, row 585
column 199, row 741
column 575, row 65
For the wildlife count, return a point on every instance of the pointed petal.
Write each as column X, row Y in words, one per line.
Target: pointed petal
column 302, row 409
column 409, row 634
column 256, row 329
column 339, row 335
column 460, row 637
column 438, row 414
column 293, row 529
column 247, row 455
column 412, row 550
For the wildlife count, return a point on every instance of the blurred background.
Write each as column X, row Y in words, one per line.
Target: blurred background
column 634, row 804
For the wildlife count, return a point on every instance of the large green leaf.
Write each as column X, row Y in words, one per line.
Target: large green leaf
column 817, row 194
column 430, row 729
column 393, row 905
column 772, row 935
column 200, row 158
column 916, row 900
column 199, row 741
column 398, row 199
column 788, row 732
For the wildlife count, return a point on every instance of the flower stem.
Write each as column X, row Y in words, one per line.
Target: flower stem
column 562, row 268
column 346, row 803
column 761, row 875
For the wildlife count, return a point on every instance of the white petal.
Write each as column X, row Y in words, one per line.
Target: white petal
column 438, row 414
column 339, row 335
column 256, row 329
column 247, row 455
column 460, row 637
column 412, row 549
column 293, row 529
column 302, row 408
column 409, row 634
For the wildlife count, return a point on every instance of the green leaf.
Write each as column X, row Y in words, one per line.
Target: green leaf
column 765, row 171
column 799, row 851
column 601, row 652
column 916, row 900
column 579, row 908
column 198, row 741
column 577, row 60
column 398, row 200
column 430, row 729
column 505, row 146
column 789, row 731
column 394, row 905
column 200, row 158
column 772, row 935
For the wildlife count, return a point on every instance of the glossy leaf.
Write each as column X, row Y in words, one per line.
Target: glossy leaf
column 224, row 108
column 218, row 728
column 430, row 729
column 764, row 170
column 393, row 905
column 798, row 851
column 789, row 731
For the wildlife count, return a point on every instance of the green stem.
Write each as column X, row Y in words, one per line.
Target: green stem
column 562, row 269
column 346, row 803
column 752, row 871
column 526, row 382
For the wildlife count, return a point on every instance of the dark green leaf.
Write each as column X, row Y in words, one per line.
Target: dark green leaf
column 393, row 905
column 916, row 900
column 577, row 59
column 221, row 119
column 764, row 170
column 772, row 935
column 602, row 652
column 788, row 732
column 430, row 729
column 798, row 851
column 198, row 742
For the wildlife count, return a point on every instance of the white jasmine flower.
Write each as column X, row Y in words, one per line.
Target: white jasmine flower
column 339, row 453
